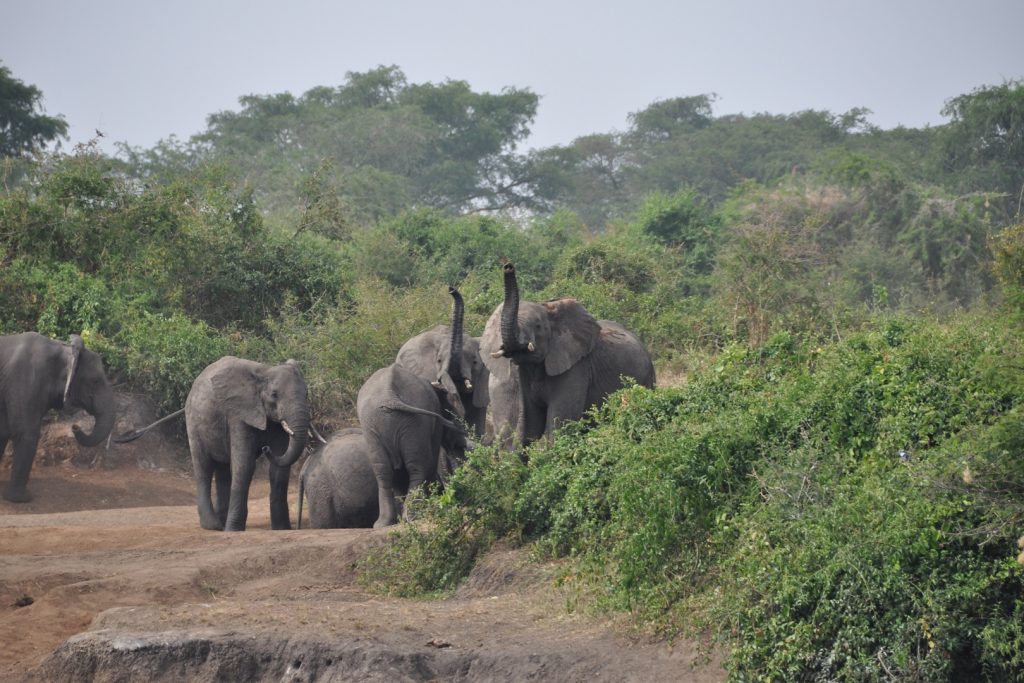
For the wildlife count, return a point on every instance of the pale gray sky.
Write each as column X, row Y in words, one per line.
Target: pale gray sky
column 141, row 70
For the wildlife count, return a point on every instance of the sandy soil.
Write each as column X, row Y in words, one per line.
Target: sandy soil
column 117, row 556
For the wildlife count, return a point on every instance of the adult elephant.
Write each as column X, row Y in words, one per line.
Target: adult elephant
column 38, row 374
column 450, row 359
column 566, row 360
column 337, row 481
column 400, row 414
column 236, row 411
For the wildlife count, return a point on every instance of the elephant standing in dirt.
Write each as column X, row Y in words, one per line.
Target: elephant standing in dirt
column 38, row 374
column 566, row 361
column 236, row 411
column 337, row 481
column 400, row 414
column 451, row 360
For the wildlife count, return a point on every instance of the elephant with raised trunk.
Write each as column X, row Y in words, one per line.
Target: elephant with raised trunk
column 565, row 360
column 450, row 359
column 400, row 414
column 38, row 374
column 236, row 411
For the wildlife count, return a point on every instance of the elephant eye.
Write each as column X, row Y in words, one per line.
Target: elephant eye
column 273, row 395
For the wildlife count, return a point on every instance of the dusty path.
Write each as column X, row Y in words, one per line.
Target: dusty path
column 117, row 556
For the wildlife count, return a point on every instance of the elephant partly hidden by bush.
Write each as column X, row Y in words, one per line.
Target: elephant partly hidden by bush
column 38, row 374
column 563, row 360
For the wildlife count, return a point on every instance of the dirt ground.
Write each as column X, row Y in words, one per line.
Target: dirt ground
column 116, row 556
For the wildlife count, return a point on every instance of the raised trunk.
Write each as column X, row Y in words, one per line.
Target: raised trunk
column 510, row 311
column 455, row 359
column 104, row 414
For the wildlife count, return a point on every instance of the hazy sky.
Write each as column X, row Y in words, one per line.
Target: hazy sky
column 141, row 70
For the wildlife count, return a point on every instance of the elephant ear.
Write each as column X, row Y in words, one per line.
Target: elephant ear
column 490, row 342
column 574, row 333
column 74, row 353
column 237, row 388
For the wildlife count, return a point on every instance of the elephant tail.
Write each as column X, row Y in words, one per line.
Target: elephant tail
column 302, row 490
column 136, row 433
column 398, row 404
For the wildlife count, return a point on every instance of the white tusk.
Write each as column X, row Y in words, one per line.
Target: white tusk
column 469, row 385
column 285, row 427
column 531, row 347
column 498, row 354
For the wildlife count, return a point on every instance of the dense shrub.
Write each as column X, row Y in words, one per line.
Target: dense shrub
column 842, row 511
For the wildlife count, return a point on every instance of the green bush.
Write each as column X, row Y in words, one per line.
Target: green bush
column 844, row 511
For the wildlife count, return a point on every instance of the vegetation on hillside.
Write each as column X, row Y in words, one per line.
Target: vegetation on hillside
column 829, row 482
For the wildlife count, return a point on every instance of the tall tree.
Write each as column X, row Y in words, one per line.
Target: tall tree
column 24, row 129
column 983, row 144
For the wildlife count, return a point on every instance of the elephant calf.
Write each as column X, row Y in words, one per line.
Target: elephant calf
column 338, row 483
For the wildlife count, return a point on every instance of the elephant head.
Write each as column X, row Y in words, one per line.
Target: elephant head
column 87, row 387
column 461, row 374
column 556, row 333
column 260, row 396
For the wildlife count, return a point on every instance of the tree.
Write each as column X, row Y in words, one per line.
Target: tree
column 983, row 145
column 24, row 129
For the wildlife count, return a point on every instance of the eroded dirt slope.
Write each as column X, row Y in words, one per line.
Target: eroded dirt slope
column 124, row 585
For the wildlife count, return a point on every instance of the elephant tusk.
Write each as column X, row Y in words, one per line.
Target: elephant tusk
column 498, row 354
column 531, row 347
column 285, row 427
column 469, row 385
column 316, row 434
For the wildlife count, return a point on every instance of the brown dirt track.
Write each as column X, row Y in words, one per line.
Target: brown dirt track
column 117, row 556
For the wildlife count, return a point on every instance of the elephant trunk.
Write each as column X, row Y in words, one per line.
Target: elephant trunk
column 298, row 439
column 458, row 312
column 103, row 411
column 510, row 311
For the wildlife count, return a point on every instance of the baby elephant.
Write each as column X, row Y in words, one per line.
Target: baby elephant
column 339, row 484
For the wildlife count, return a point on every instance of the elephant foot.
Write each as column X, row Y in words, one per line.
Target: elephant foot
column 383, row 523
column 17, row 495
column 211, row 525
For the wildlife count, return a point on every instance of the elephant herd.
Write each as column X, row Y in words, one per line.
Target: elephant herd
column 536, row 366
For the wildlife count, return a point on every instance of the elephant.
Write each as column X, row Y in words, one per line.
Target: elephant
column 504, row 406
column 451, row 359
column 400, row 414
column 338, row 482
column 39, row 374
column 237, row 410
column 566, row 361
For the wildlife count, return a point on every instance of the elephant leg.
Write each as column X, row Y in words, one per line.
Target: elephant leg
column 385, row 475
column 222, row 475
column 203, row 469
column 279, row 517
column 24, row 448
column 534, row 422
column 3, row 445
column 243, row 464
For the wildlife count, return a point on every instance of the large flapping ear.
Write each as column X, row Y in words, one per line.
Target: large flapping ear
column 574, row 332
column 237, row 388
column 490, row 343
column 74, row 353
